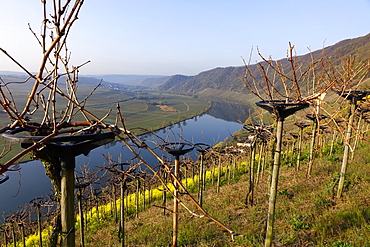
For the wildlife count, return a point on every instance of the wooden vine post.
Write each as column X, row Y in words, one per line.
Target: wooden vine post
column 202, row 148
column 10, row 223
column 122, row 174
column 258, row 132
column 62, row 150
column 252, row 158
column 301, row 126
column 67, row 200
column 315, row 118
column 175, row 203
column 54, row 138
column 38, row 203
column 201, row 179
column 353, row 97
column 4, row 230
column 80, row 186
column 122, row 184
column 281, row 109
column 176, row 150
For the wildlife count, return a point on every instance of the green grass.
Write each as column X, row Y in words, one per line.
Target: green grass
column 307, row 213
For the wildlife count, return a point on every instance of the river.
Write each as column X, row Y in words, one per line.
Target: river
column 31, row 181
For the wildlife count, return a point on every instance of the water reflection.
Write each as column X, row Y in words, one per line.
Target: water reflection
column 229, row 111
column 31, row 181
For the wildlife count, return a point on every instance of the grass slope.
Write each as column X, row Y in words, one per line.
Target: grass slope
column 307, row 213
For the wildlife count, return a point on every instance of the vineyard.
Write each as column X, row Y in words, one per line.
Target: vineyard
column 295, row 175
column 309, row 212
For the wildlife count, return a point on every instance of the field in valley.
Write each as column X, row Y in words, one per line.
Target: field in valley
column 143, row 111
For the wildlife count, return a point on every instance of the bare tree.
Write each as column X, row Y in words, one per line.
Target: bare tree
column 46, row 126
column 285, row 87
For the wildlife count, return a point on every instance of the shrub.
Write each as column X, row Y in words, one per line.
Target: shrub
column 286, row 193
column 322, row 203
column 333, row 159
column 336, row 148
column 340, row 243
column 301, row 222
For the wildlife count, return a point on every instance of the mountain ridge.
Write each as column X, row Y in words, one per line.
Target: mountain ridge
column 220, row 80
column 226, row 78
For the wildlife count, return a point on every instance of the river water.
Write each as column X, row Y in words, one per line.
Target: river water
column 31, row 181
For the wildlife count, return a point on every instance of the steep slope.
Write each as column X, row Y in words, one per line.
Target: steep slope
column 226, row 79
column 174, row 82
column 218, row 78
column 153, row 82
column 358, row 46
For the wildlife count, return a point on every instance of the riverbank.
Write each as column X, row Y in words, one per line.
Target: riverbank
column 21, row 186
column 165, row 124
column 308, row 213
column 141, row 114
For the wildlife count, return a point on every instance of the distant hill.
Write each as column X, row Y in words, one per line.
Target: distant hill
column 218, row 78
column 219, row 81
column 174, row 81
column 126, row 79
column 154, row 82
column 357, row 46
column 13, row 74
column 86, row 81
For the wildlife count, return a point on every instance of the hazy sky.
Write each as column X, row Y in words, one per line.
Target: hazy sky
column 163, row 37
